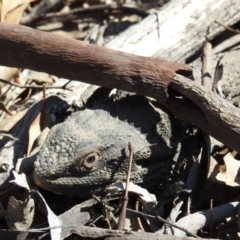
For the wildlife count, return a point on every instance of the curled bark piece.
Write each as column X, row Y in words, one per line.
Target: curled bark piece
column 199, row 220
column 96, row 233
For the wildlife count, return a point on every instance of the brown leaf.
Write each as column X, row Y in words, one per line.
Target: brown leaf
column 42, row 121
column 231, row 176
column 22, row 180
column 8, row 73
column 6, row 125
column 20, row 213
column 12, row 10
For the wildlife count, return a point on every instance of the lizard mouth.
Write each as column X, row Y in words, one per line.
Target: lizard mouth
column 75, row 186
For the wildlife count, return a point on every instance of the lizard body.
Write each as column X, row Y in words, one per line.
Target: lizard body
column 88, row 152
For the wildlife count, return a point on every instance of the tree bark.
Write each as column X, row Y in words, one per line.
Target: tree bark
column 25, row 47
column 213, row 114
column 95, row 233
column 41, row 51
column 178, row 30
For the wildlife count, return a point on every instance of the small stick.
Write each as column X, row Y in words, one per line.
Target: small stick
column 207, row 66
column 5, row 109
column 228, row 28
column 33, row 87
column 6, row 191
column 44, row 94
column 6, row 134
column 138, row 217
column 210, row 218
column 163, row 221
column 121, row 220
column 217, row 74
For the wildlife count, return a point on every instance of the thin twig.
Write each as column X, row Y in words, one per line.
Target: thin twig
column 5, row 109
column 138, row 217
column 33, row 87
column 79, row 12
column 121, row 220
column 163, row 221
column 109, row 209
column 217, row 74
column 11, row 137
column 8, row 190
column 227, row 27
column 44, row 94
column 104, row 204
column 207, row 66
column 65, row 85
column 210, row 218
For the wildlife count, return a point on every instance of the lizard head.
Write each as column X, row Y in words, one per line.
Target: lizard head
column 88, row 152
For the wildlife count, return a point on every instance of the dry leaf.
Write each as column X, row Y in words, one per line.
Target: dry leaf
column 231, row 176
column 149, row 200
column 79, row 214
column 12, row 10
column 54, row 221
column 20, row 213
column 34, row 132
column 8, row 73
column 6, row 125
column 21, row 180
column 40, row 77
column 42, row 121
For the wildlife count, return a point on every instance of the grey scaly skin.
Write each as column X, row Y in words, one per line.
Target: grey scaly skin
column 88, row 152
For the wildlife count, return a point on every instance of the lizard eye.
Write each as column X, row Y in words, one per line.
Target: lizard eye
column 90, row 160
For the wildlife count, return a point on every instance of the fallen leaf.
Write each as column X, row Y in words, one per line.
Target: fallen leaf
column 12, row 10
column 20, row 213
column 79, row 214
column 149, row 200
column 231, row 176
column 8, row 73
column 55, row 223
column 42, row 121
column 6, row 125
column 21, row 180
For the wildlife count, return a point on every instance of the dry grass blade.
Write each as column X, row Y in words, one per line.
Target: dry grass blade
column 122, row 216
